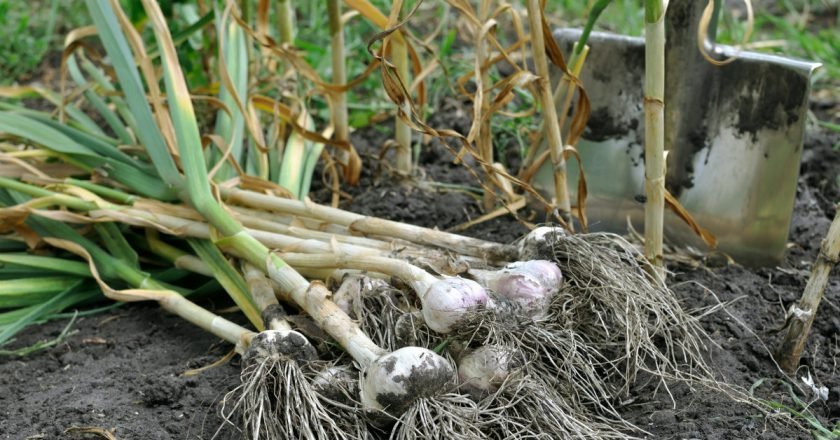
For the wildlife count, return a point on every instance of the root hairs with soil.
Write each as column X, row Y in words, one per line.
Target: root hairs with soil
column 621, row 312
column 276, row 401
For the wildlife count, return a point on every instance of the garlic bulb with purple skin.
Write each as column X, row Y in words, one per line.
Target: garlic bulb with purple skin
column 544, row 271
column 529, row 285
column 448, row 301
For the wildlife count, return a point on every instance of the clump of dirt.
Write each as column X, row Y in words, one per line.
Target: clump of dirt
column 124, row 370
column 603, row 126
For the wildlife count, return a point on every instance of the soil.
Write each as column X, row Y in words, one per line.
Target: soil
column 124, row 370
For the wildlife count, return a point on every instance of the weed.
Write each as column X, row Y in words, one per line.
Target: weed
column 799, row 410
column 24, row 39
column 40, row 345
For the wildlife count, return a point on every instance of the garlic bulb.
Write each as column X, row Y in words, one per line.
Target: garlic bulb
column 482, row 371
column 530, row 285
column 446, row 302
column 395, row 380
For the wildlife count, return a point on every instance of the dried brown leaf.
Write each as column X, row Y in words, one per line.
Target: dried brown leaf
column 684, row 215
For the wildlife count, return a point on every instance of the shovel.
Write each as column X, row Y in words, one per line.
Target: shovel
column 734, row 136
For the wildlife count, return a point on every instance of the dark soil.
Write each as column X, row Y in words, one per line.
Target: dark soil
column 124, row 370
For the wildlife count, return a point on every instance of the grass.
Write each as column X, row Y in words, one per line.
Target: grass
column 805, row 30
column 621, row 16
column 24, row 37
column 30, row 31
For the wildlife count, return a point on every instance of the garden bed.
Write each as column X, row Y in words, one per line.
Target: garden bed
column 126, row 369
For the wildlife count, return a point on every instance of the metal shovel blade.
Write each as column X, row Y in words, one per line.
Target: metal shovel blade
column 734, row 137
